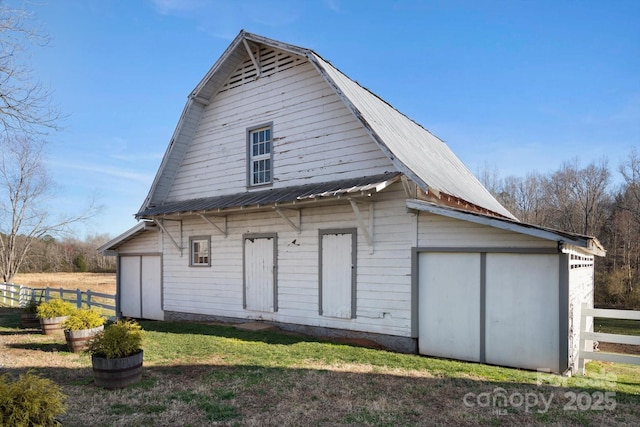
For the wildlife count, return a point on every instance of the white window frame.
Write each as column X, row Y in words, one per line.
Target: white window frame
column 205, row 260
column 260, row 155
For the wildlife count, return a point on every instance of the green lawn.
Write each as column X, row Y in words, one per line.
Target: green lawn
column 198, row 374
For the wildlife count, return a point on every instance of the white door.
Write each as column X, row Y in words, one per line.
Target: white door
column 337, row 275
column 259, row 273
column 449, row 305
column 140, row 291
column 151, row 285
column 129, row 290
column 522, row 310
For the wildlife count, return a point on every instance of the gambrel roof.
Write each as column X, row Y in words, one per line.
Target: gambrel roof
column 413, row 150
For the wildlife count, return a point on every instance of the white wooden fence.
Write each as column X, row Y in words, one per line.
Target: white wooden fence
column 589, row 354
column 12, row 295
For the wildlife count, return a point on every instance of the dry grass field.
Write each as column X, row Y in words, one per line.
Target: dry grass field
column 97, row 282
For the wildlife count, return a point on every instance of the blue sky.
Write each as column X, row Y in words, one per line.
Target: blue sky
column 517, row 85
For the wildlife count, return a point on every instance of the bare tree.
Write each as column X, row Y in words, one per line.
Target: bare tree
column 26, row 186
column 579, row 197
column 630, row 171
column 25, row 105
column 525, row 198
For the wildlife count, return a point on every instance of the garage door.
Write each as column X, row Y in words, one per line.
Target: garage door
column 449, row 306
column 522, row 316
column 140, row 287
column 498, row 308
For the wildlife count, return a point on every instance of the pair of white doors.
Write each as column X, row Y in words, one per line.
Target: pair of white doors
column 337, row 273
column 140, row 287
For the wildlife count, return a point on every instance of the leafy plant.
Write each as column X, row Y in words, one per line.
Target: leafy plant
column 55, row 308
column 31, row 307
column 30, row 401
column 83, row 318
column 120, row 339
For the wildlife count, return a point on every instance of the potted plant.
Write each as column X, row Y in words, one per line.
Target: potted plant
column 80, row 326
column 52, row 313
column 116, row 354
column 28, row 316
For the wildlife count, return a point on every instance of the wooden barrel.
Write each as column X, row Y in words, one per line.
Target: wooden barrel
column 52, row 325
column 30, row 321
column 117, row 373
column 77, row 341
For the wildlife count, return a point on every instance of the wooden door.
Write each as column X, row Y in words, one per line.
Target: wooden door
column 260, row 273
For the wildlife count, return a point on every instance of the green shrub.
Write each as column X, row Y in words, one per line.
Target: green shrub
column 31, row 307
column 29, row 401
column 55, row 308
column 83, row 318
column 120, row 339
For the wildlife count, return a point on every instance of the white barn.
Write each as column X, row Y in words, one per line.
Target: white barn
column 292, row 195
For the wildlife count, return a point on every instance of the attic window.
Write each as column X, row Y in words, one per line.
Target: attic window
column 259, row 147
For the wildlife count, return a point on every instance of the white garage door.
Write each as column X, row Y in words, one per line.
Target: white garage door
column 449, row 305
column 140, row 290
column 522, row 316
column 498, row 308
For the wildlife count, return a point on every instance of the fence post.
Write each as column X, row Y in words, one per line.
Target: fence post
column 47, row 294
column 583, row 340
column 89, row 297
column 78, row 298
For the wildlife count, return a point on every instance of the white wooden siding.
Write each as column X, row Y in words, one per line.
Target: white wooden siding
column 383, row 279
column 316, row 138
column 436, row 230
column 147, row 242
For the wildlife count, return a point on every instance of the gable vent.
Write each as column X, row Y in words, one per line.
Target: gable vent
column 271, row 61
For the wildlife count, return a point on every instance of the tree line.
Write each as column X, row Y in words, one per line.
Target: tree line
column 585, row 200
column 55, row 255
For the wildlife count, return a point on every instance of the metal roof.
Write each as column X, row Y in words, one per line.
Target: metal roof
column 415, row 151
column 273, row 196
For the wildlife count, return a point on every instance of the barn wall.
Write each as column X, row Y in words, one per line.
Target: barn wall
column 315, row 137
column 145, row 242
column 581, row 288
column 383, row 277
column 439, row 231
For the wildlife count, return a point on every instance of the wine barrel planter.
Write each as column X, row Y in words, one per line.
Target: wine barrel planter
column 117, row 373
column 77, row 341
column 52, row 325
column 30, row 321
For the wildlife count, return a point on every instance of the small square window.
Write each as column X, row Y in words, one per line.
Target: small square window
column 200, row 248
